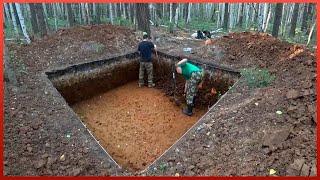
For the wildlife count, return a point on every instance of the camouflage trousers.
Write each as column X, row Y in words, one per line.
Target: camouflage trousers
column 146, row 66
column 192, row 86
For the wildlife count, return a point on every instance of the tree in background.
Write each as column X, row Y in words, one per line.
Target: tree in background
column 294, row 20
column 304, row 18
column 277, row 19
column 40, row 19
column 310, row 14
column 71, row 20
column 260, row 17
column 226, row 17
column 240, row 22
column 33, row 18
column 143, row 17
column 14, row 20
column 22, row 24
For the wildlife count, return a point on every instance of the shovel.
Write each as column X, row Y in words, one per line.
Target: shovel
column 176, row 100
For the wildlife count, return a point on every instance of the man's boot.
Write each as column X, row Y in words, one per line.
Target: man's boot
column 187, row 110
column 150, row 85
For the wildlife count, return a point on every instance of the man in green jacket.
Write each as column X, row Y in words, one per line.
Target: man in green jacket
column 194, row 76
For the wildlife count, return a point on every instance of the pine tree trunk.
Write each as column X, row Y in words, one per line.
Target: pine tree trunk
column 226, row 16
column 127, row 10
column 41, row 20
column 60, row 10
column 84, row 16
column 164, row 15
column 176, row 16
column 79, row 16
column 6, row 17
column 55, row 16
column 132, row 13
column 267, row 20
column 143, row 17
column 45, row 10
column 185, row 14
column 124, row 11
column 310, row 34
column 7, row 13
column 14, row 20
column 310, row 16
column 294, row 20
column 247, row 15
column 71, row 20
column 253, row 14
column 260, row 17
column 98, row 16
column 16, row 16
column 265, row 15
column 159, row 8
column 170, row 12
column 88, row 14
column 286, row 11
column 219, row 15
column 213, row 15
column 238, row 13
column 241, row 16
column 277, row 19
column 94, row 12
column 25, row 10
column 189, row 13
column 21, row 20
column 230, row 15
column 111, row 13
column 135, row 17
column 304, row 18
column 50, row 10
column 34, row 23
column 118, row 9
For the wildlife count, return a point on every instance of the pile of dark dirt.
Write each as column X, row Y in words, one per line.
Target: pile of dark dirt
column 249, row 49
column 75, row 45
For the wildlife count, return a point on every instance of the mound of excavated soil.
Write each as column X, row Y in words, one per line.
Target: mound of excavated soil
column 78, row 44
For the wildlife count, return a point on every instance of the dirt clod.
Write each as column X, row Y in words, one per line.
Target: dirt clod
column 274, row 138
column 292, row 94
column 40, row 163
column 295, row 167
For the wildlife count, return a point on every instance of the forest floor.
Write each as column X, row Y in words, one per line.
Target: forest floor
column 241, row 135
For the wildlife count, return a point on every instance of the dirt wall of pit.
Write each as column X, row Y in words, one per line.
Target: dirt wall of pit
column 82, row 81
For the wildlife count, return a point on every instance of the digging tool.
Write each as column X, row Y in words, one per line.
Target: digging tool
column 157, row 56
column 175, row 87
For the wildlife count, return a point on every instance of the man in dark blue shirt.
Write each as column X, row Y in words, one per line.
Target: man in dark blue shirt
column 145, row 48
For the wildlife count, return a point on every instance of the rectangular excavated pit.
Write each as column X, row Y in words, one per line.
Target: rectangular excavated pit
column 135, row 125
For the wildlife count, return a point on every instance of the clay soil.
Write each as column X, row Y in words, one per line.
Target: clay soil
column 135, row 125
column 242, row 135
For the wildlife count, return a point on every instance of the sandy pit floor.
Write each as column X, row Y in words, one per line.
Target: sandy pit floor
column 135, row 125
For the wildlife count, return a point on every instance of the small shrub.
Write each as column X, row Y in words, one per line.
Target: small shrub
column 163, row 167
column 257, row 78
column 171, row 27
